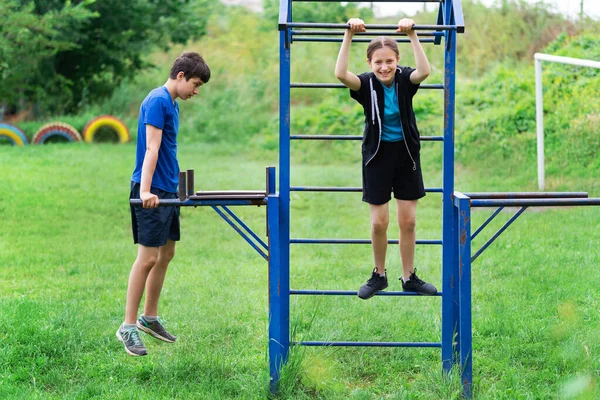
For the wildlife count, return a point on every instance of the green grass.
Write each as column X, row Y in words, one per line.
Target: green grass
column 66, row 252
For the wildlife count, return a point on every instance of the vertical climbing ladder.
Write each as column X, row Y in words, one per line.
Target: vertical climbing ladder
column 456, row 321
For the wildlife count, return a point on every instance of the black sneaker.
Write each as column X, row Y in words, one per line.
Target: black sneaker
column 132, row 342
column 155, row 328
column 414, row 284
column 373, row 285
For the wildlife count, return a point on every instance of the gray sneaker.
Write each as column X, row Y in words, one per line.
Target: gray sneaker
column 155, row 328
column 414, row 284
column 373, row 285
column 132, row 342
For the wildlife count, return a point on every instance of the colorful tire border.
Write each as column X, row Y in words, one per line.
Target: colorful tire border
column 14, row 134
column 106, row 121
column 56, row 129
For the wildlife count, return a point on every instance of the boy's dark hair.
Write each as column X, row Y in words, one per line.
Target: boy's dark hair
column 192, row 65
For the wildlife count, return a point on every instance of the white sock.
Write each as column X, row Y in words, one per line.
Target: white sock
column 126, row 327
column 150, row 319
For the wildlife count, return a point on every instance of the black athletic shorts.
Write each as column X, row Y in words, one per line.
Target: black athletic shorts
column 392, row 170
column 152, row 227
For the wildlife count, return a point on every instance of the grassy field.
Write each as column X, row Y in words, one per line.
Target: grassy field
column 66, row 252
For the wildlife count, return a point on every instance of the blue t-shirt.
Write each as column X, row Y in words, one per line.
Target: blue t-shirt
column 159, row 110
column 391, row 131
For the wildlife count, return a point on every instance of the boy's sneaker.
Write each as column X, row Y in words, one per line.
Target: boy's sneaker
column 132, row 342
column 373, row 285
column 155, row 328
column 414, row 284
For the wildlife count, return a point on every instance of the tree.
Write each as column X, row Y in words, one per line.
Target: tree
column 27, row 41
column 106, row 44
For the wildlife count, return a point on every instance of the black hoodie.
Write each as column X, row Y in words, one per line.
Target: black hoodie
column 374, row 111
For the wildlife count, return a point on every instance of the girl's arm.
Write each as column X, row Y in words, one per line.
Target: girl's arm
column 341, row 66
column 422, row 64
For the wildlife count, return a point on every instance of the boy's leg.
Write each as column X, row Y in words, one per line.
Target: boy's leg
column 155, row 280
column 407, row 213
column 143, row 264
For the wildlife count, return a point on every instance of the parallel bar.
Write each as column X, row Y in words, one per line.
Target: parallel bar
column 495, row 236
column 241, row 233
column 354, row 241
column 535, row 202
column 370, row 344
column 525, row 195
column 357, row 40
column 353, row 293
column 355, row 137
column 341, row 86
column 202, row 203
column 343, row 189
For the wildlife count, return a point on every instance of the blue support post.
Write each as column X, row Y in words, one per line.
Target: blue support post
column 449, row 288
column 279, row 341
column 465, row 336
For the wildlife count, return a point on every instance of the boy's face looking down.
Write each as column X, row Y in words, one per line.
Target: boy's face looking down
column 187, row 88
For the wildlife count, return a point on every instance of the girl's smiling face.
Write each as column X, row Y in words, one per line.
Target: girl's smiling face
column 383, row 63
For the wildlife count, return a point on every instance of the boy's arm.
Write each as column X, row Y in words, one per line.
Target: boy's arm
column 153, row 140
column 349, row 79
column 422, row 64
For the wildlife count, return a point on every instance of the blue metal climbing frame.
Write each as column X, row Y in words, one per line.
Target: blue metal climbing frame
column 454, row 319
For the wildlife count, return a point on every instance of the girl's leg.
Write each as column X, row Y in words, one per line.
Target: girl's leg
column 407, row 215
column 380, row 217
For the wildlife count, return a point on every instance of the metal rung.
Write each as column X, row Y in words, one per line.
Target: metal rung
column 370, row 344
column 344, row 189
column 367, row 26
column 357, row 40
column 370, row 33
column 355, row 137
column 355, row 241
column 341, row 86
column 353, row 293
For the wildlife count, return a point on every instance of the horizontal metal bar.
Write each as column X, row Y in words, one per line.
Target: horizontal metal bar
column 354, row 241
column 352, row 293
column 356, row 40
column 341, row 86
column 202, row 203
column 369, row 344
column 378, row 1
column 344, row 189
column 355, row 137
column 305, row 32
column 525, row 195
column 535, row 202
column 367, row 26
column 567, row 60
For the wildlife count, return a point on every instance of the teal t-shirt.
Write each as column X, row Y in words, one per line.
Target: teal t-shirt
column 391, row 130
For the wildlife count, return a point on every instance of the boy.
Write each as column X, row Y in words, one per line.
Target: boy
column 155, row 177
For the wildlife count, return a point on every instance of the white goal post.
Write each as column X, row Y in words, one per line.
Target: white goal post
column 539, row 102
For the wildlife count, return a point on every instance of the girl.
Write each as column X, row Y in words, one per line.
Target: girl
column 390, row 147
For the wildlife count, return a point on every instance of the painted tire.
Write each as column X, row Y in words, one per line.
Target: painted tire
column 106, row 121
column 14, row 134
column 56, row 129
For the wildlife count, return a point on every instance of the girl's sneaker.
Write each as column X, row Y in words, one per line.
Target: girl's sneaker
column 132, row 342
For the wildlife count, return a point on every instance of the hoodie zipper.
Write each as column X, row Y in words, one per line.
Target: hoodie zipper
column 403, row 130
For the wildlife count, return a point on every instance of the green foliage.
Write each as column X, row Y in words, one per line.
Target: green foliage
column 331, row 12
column 28, row 41
column 76, row 52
